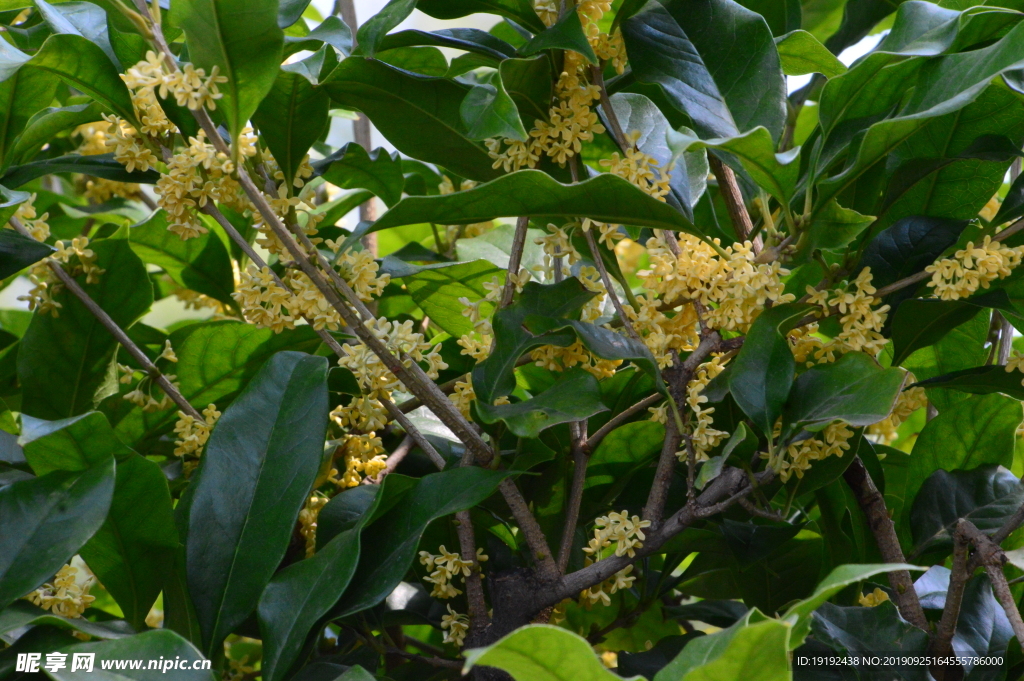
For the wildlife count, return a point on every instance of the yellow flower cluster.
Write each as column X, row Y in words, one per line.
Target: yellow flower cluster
column 638, row 168
column 444, row 567
column 463, row 395
column 363, row 455
column 876, row 597
column 36, row 225
column 909, row 401
column 861, row 321
column 189, row 86
column 403, row 342
column 95, row 137
column 359, row 269
column 45, row 283
column 455, row 626
column 973, row 267
column 307, row 521
column 661, row 333
column 832, row 441
column 626, row 533
column 554, row 358
column 704, row 437
column 129, row 150
column 192, row 433
column 100, row 190
column 68, row 594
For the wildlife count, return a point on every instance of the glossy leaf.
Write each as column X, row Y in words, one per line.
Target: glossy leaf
column 920, row 322
column 567, row 34
column 865, row 631
column 161, row 645
column 854, row 389
column 75, row 346
column 801, row 53
column 987, row 496
column 82, row 64
column 242, row 39
column 45, row 521
column 469, row 39
column 22, row 93
column 726, row 653
column 24, row 614
column 45, row 124
column 716, row 63
column 102, row 165
column 836, row 227
column 372, row 32
column 521, row 11
column 419, row 115
column 541, row 652
column 437, row 292
column 488, row 111
column 351, row 167
column 532, row 193
column 272, row 437
column 575, row 396
column 200, row 264
column 79, row 18
column 980, row 430
column 762, row 373
column 983, row 380
column 389, row 544
column 528, row 83
column 72, row 444
column 332, row 31
column 18, row 252
column 290, row 118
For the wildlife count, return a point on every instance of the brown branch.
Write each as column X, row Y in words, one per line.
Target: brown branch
column 394, row 458
column 597, row 78
column 514, row 259
column 535, row 539
column 655, row 506
column 730, row 191
column 992, row 557
column 629, row 412
column 607, row 281
column 873, row 505
column 1002, row 593
column 1011, row 524
column 116, row 331
column 479, row 620
column 580, row 459
column 942, row 640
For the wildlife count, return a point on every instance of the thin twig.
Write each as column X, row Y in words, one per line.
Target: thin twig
column 478, row 617
column 579, row 477
column 607, row 281
column 655, row 506
column 514, row 259
column 873, row 505
column 629, row 412
column 394, row 458
column 942, row 640
column 534, row 535
column 991, row 555
column 753, row 509
column 730, row 191
column 116, row 331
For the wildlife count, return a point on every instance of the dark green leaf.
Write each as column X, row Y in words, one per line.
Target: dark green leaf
column 801, row 53
column 18, row 252
column 470, row 39
column 762, row 373
column 866, row 631
column 290, row 118
column 437, row 292
column 67, row 370
column 987, row 496
column 980, row 381
column 920, row 322
column 542, row 651
column 521, row 11
column 102, row 165
column 373, row 30
column 620, row 455
column 46, row 124
column 22, row 94
column 272, row 437
column 215, row 361
column 24, row 614
column 73, row 444
column 716, row 613
column 389, row 545
column 333, row 31
column 567, row 34
column 716, row 63
column 532, row 193
column 427, row 61
column 420, row 116
column 45, row 521
column 290, row 11
column 82, row 64
column 528, row 83
column 351, row 167
column 979, row 431
column 162, row 646
column 575, row 396
column 131, row 552
column 242, row 39
column 347, row 510
column 200, row 264
column 79, row 18
column 1012, row 206
column 835, row 227
column 488, row 111
column 854, row 389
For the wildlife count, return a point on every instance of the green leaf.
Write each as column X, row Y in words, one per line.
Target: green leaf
column 493, row 378
column 1012, row 206
column 532, row 193
column 72, row 444
column 131, row 552
column 82, row 64
column 521, row 11
column 161, row 645
column 980, row 430
column 437, row 292
column 841, row 577
column 716, row 63
column 18, row 252
column 272, row 437
column 46, row 124
column 728, row 653
column 215, row 361
column 242, row 39
column 79, row 18
column 621, row 453
column 427, row 61
column 920, row 322
column 201, row 264
column 575, row 396
column 775, row 173
column 983, row 380
column 762, row 373
column 23, row 614
column 987, row 496
column 102, row 165
column 351, row 167
column 45, row 520
column 854, row 389
column 866, row 631
column 66, row 368
column 22, row 94
column 488, row 111
column 835, row 227
column 290, row 118
column 420, row 116
column 567, row 34
column 372, row 32
column 469, row 39
column 528, row 83
column 390, row 542
column 332, row 31
column 541, row 652
column 801, row 53
column 11, row 59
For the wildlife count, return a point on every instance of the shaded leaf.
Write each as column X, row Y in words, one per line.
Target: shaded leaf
column 101, row 165
column 567, row 34
column 920, row 322
column 18, row 252
column 351, row 167
column 983, row 380
column 575, row 396
column 373, row 30
column 488, row 111
column 160, row 645
column 801, row 53
column 290, row 118
column 521, row 11
column 865, row 631
column 82, row 64
column 23, row 614
column 437, row 292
